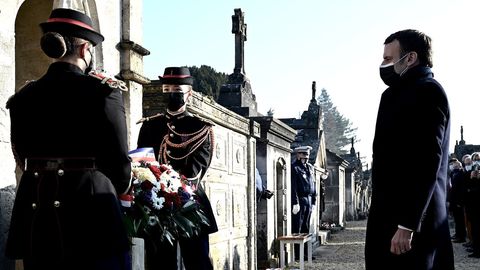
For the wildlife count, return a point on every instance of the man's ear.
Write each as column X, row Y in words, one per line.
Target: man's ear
column 412, row 58
column 84, row 49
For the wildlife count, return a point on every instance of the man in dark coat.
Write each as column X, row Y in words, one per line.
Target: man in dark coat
column 408, row 224
column 69, row 137
column 185, row 142
column 303, row 190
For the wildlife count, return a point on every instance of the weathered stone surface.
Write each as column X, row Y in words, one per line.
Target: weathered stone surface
column 273, row 163
column 7, row 196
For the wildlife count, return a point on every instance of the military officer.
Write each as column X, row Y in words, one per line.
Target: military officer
column 303, row 190
column 69, row 137
column 185, row 142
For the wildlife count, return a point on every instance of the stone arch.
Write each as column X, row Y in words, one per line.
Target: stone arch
column 91, row 10
column 30, row 61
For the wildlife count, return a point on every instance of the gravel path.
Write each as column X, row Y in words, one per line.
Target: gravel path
column 345, row 251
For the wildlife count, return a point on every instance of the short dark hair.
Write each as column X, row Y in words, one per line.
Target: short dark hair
column 414, row 41
column 56, row 46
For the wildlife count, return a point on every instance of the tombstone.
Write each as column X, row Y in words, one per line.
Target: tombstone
column 237, row 94
column 273, row 162
column 462, row 148
column 335, row 190
column 353, row 174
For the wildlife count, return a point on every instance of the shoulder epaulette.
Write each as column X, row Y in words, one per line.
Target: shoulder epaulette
column 203, row 119
column 149, row 118
column 111, row 81
column 10, row 99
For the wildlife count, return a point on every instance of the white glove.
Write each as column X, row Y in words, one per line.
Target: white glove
column 296, row 209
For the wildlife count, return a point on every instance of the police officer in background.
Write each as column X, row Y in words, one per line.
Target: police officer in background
column 69, row 137
column 303, row 190
column 184, row 141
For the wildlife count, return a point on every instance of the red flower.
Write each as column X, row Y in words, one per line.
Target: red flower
column 146, row 185
column 155, row 170
column 163, row 168
column 172, row 199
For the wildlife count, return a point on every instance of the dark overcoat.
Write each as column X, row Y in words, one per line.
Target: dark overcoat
column 304, row 194
column 67, row 114
column 413, row 125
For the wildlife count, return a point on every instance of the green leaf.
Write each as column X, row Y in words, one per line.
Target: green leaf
column 185, row 224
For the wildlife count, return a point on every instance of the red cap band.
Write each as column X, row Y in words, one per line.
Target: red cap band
column 176, row 76
column 71, row 21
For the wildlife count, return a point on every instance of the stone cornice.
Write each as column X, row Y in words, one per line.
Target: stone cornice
column 276, row 127
column 206, row 107
column 133, row 76
column 130, row 45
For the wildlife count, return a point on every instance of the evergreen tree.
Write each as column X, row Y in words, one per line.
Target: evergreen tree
column 207, row 81
column 338, row 129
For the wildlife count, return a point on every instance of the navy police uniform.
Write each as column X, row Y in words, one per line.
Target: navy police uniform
column 69, row 134
column 185, row 142
column 304, row 194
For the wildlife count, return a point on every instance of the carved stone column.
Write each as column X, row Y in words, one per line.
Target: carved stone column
column 131, row 64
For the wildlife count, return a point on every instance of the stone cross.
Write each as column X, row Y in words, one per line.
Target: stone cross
column 314, row 89
column 239, row 28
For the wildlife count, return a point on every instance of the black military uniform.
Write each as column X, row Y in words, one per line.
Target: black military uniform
column 303, row 193
column 69, row 135
column 185, row 142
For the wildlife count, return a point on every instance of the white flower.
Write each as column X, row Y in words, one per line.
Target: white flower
column 158, row 203
column 156, row 187
column 153, row 220
column 171, row 180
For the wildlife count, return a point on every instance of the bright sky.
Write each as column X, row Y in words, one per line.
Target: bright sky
column 338, row 44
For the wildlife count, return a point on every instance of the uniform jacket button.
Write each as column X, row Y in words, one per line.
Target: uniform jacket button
column 56, row 204
column 168, row 151
column 173, row 127
column 61, row 172
column 34, row 206
column 35, row 174
column 171, row 135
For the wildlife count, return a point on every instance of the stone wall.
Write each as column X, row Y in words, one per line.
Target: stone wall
column 7, row 195
column 273, row 163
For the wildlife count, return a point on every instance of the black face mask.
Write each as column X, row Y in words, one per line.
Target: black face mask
column 175, row 101
column 389, row 76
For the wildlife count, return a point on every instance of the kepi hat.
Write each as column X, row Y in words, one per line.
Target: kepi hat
column 176, row 76
column 69, row 22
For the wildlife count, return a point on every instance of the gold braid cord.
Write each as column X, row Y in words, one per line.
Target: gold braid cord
column 196, row 139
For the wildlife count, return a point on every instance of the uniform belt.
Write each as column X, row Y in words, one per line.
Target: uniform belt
column 304, row 195
column 52, row 164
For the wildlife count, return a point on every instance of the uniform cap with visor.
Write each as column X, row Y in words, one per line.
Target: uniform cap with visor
column 303, row 149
